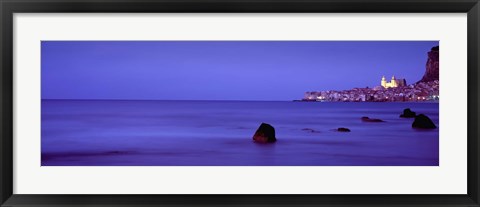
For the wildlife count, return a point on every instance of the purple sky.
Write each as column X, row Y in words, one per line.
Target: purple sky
column 222, row 70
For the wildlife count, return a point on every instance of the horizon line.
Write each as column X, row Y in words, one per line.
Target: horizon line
column 88, row 99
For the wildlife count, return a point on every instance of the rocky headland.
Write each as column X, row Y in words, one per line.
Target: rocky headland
column 432, row 72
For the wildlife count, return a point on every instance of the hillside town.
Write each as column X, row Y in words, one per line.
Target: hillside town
column 395, row 90
column 421, row 91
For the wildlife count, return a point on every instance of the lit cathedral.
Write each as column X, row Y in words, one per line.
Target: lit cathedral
column 393, row 83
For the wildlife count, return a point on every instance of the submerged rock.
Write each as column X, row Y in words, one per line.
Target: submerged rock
column 423, row 122
column 310, row 130
column 265, row 134
column 407, row 113
column 342, row 129
column 367, row 119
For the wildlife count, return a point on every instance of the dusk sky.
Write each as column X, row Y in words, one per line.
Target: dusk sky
column 222, row 70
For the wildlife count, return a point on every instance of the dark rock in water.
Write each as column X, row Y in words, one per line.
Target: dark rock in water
column 423, row 122
column 265, row 134
column 407, row 113
column 367, row 119
column 310, row 130
column 342, row 129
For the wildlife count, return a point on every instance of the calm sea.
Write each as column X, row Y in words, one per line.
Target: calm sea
column 219, row 133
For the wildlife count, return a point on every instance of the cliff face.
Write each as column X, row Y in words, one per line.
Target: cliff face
column 431, row 72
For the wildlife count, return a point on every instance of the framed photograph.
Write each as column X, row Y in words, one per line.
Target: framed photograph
column 239, row 103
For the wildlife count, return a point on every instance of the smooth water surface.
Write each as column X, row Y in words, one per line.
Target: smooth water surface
column 219, row 133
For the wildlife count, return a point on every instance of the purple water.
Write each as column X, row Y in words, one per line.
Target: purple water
column 219, row 133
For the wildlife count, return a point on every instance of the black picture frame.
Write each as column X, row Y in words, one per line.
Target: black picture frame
column 9, row 7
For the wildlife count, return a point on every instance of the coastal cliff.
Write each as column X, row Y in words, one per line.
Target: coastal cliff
column 431, row 72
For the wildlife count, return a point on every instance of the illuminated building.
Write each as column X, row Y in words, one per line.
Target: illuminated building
column 393, row 83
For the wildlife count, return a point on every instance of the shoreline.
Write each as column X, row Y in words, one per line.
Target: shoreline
column 437, row 101
column 315, row 101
